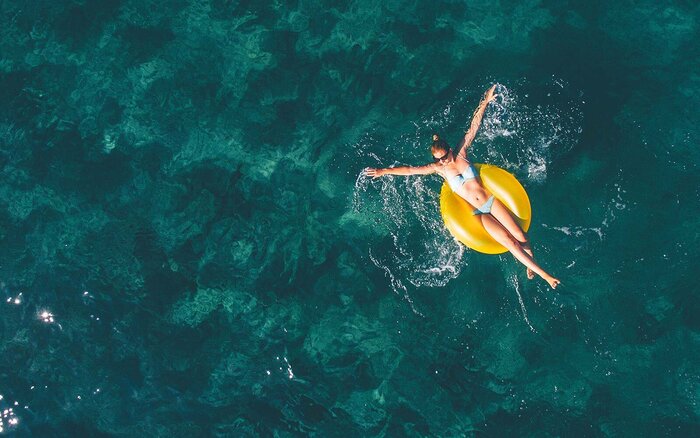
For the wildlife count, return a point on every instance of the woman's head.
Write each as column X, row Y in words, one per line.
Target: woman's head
column 439, row 149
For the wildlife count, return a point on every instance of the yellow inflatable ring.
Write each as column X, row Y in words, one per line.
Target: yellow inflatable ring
column 465, row 227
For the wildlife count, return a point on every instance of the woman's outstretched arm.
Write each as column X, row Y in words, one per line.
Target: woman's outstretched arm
column 401, row 170
column 476, row 122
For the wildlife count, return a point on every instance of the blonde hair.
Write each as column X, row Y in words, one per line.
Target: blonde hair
column 439, row 144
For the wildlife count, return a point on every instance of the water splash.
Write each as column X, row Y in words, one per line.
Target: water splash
column 612, row 207
column 396, row 285
column 516, row 285
column 419, row 249
column 526, row 139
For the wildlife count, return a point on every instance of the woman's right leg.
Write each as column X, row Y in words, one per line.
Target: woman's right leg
column 500, row 212
column 502, row 236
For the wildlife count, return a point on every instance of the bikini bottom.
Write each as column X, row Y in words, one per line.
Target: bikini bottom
column 485, row 208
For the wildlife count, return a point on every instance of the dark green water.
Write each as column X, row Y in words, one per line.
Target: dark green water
column 182, row 200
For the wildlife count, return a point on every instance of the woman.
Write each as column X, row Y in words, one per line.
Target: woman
column 462, row 178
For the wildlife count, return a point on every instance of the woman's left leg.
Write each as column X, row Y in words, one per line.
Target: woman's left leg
column 503, row 215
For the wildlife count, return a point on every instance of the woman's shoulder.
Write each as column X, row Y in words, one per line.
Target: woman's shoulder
column 462, row 157
column 440, row 170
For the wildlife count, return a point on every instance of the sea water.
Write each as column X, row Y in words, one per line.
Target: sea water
column 189, row 246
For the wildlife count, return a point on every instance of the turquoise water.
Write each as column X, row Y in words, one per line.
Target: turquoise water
column 189, row 247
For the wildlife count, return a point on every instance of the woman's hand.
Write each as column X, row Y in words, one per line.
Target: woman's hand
column 490, row 95
column 374, row 173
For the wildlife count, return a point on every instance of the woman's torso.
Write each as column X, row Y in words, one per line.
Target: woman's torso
column 464, row 181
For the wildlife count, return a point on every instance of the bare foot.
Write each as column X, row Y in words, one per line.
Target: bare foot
column 530, row 274
column 553, row 282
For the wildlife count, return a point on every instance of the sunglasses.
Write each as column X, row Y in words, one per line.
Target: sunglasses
column 443, row 158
